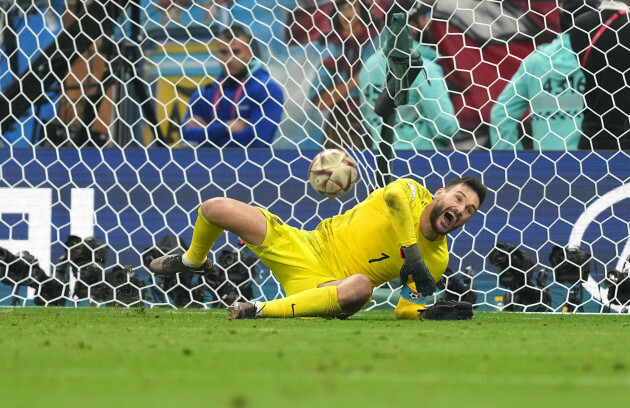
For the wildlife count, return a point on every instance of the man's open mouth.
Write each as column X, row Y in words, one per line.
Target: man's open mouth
column 449, row 218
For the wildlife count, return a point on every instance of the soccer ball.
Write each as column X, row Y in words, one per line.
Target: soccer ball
column 332, row 172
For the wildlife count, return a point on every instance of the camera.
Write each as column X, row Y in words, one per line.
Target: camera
column 22, row 269
column 120, row 286
column 518, row 274
column 533, row 297
column 49, row 289
column 183, row 289
column 458, row 286
column 230, row 279
column 570, row 265
column 14, row 271
column 86, row 259
column 129, row 288
column 88, row 276
column 82, row 252
column 618, row 284
column 516, row 266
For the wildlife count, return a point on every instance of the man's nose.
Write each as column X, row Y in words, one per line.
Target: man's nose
column 460, row 208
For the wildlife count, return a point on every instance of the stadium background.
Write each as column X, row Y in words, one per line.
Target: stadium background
column 139, row 197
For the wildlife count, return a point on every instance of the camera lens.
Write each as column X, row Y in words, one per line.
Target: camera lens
column 228, row 259
column 613, row 276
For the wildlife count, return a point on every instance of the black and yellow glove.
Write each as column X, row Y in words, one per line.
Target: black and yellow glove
column 415, row 266
column 448, row 310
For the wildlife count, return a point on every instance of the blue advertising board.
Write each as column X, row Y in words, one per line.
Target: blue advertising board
column 137, row 196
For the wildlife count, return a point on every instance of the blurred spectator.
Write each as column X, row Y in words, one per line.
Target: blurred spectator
column 219, row 11
column 550, row 84
column 602, row 40
column 172, row 9
column 428, row 122
column 194, row 16
column 243, row 107
column 481, row 45
column 335, row 92
column 310, row 21
column 265, row 20
column 26, row 28
column 217, row 14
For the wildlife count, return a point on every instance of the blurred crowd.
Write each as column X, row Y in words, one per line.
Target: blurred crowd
column 545, row 75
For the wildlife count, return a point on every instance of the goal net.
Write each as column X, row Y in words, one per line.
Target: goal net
column 116, row 124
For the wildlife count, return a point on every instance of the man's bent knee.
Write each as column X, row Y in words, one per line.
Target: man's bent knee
column 354, row 292
column 214, row 209
column 244, row 220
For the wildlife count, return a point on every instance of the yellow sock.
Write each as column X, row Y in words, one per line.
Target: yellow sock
column 313, row 302
column 205, row 235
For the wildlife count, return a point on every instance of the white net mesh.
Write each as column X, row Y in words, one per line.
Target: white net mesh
column 116, row 124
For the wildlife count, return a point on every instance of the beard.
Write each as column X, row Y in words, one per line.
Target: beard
column 438, row 211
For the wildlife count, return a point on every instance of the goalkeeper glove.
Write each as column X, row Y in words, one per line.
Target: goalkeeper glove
column 448, row 310
column 414, row 266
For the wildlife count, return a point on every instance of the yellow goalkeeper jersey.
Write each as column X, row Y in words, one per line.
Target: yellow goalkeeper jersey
column 363, row 239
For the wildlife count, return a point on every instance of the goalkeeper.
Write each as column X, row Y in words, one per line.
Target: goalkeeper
column 398, row 231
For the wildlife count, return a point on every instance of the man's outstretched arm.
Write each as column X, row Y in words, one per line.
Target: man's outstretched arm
column 399, row 210
column 398, row 201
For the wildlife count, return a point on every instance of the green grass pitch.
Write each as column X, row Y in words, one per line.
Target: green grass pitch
column 112, row 357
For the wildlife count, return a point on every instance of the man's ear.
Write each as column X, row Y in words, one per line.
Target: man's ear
column 438, row 194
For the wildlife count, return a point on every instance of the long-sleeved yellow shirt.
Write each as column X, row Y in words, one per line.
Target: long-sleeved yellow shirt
column 367, row 238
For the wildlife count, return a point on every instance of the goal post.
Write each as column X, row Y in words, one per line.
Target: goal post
column 84, row 208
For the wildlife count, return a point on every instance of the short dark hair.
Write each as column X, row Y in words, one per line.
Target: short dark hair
column 235, row 31
column 474, row 183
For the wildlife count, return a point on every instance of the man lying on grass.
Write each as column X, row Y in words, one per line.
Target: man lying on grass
column 399, row 230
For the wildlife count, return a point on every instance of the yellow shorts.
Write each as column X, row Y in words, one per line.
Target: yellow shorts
column 297, row 258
